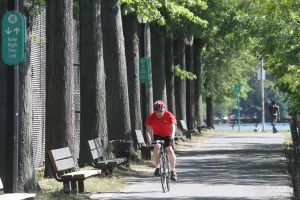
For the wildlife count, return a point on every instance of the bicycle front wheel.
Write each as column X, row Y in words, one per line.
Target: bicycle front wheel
column 164, row 174
column 168, row 172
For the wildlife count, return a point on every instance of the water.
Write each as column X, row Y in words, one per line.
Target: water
column 252, row 126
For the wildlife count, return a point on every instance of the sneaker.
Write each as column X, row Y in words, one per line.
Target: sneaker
column 173, row 176
column 156, row 172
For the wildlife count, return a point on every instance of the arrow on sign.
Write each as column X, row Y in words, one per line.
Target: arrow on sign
column 8, row 31
column 17, row 30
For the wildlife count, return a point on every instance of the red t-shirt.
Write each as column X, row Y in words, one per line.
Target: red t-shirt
column 161, row 126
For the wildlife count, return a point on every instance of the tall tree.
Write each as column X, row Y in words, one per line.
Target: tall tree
column 180, row 85
column 26, row 172
column 59, row 77
column 190, row 101
column 117, row 102
column 158, row 42
column 130, row 28
column 93, row 120
column 169, row 62
column 197, row 48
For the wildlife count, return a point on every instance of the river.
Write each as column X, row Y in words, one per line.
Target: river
column 252, row 126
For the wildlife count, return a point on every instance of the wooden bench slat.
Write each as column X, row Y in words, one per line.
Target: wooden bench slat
column 97, row 153
column 63, row 165
column 183, row 125
column 81, row 174
column 61, row 153
column 1, row 185
column 17, row 196
column 139, row 137
column 98, row 143
column 92, row 144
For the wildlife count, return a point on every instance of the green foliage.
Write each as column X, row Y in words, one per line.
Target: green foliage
column 35, row 7
column 276, row 24
column 181, row 16
column 174, row 15
column 183, row 74
column 148, row 9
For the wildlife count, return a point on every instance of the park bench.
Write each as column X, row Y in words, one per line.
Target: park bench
column 15, row 196
column 145, row 150
column 64, row 170
column 183, row 127
column 98, row 157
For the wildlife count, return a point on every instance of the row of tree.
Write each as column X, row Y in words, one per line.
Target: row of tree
column 215, row 40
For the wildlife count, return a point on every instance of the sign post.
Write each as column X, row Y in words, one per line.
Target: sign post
column 237, row 88
column 144, row 70
column 13, row 54
column 13, row 38
column 261, row 77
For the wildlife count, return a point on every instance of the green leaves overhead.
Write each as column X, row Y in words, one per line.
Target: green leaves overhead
column 148, row 9
column 172, row 14
column 183, row 74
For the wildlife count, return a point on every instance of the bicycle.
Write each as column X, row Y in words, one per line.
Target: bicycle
column 164, row 166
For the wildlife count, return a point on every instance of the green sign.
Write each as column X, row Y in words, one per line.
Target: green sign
column 144, row 70
column 13, row 38
column 237, row 87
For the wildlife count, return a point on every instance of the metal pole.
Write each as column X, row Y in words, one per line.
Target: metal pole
column 262, row 95
column 16, row 119
column 238, row 114
column 146, row 26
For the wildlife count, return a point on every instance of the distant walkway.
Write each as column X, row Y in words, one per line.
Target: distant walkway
column 224, row 167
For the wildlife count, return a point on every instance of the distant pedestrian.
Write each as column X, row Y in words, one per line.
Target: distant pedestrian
column 256, row 126
column 275, row 115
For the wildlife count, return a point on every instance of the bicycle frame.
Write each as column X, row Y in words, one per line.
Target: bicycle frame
column 164, row 166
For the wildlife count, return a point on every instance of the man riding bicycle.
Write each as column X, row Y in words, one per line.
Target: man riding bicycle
column 161, row 123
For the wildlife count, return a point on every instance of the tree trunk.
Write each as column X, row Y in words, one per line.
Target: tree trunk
column 117, row 103
column 130, row 25
column 147, row 53
column 198, row 45
column 169, row 59
column 158, row 63
column 209, row 113
column 59, row 77
column 26, row 173
column 146, row 88
column 190, row 103
column 4, row 104
column 93, row 120
column 180, row 85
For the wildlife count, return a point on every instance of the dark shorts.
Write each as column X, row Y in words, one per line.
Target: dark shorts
column 168, row 140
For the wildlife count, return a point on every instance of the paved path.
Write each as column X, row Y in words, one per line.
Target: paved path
column 224, row 167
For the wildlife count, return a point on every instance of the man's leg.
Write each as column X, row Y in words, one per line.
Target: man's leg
column 172, row 157
column 274, row 125
column 172, row 160
column 156, row 158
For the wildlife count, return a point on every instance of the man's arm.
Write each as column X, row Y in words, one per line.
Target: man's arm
column 173, row 128
column 148, row 132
